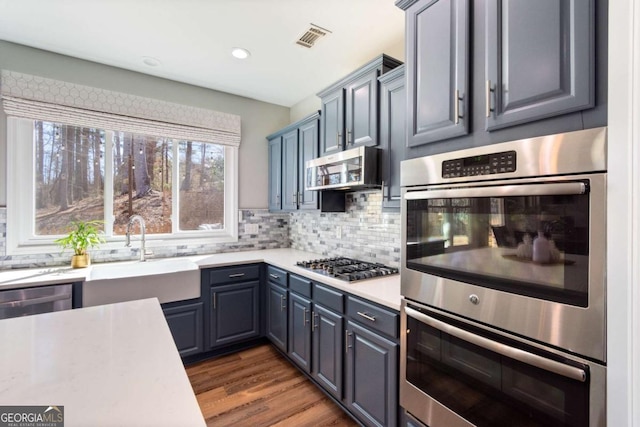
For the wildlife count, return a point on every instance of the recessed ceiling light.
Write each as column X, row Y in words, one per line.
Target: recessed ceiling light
column 151, row 61
column 240, row 53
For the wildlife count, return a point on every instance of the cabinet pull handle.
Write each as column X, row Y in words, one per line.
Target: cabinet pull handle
column 300, row 198
column 304, row 316
column 338, row 138
column 283, row 303
column 488, row 91
column 215, row 299
column 349, row 139
column 347, row 334
column 456, row 107
column 233, row 276
column 366, row 316
column 383, row 195
column 314, row 321
column 273, row 276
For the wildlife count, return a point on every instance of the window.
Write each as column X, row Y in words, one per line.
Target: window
column 59, row 173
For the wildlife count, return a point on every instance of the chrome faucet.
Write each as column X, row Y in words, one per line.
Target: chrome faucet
column 142, row 232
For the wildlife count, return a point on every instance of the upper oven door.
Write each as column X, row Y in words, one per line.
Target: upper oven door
column 511, row 253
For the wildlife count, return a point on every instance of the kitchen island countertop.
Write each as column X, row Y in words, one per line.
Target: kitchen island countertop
column 108, row 365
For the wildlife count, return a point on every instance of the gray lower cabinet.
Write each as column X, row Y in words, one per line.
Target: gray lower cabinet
column 277, row 316
column 393, row 134
column 235, row 313
column 327, row 350
column 185, row 320
column 232, row 304
column 371, row 376
column 300, row 331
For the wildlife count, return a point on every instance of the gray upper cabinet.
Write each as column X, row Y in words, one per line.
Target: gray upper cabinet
column 275, row 173
column 332, row 123
column 349, row 108
column 307, row 150
column 289, row 149
column 539, row 59
column 393, row 134
column 437, row 52
column 361, row 110
column 290, row 170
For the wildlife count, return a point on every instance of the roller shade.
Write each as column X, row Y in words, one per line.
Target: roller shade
column 40, row 98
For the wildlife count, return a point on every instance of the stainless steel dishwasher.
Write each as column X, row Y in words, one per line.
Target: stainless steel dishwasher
column 27, row 301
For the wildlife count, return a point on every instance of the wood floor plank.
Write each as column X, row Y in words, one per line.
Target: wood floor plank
column 259, row 387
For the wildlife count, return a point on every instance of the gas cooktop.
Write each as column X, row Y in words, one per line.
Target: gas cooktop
column 347, row 269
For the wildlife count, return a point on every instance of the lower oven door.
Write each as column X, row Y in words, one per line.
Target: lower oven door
column 453, row 373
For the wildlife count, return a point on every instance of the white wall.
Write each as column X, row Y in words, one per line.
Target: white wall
column 623, row 230
column 259, row 119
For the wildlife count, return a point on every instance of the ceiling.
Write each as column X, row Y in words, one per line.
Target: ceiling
column 192, row 39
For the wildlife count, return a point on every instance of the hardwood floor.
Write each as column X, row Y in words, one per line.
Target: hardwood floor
column 259, row 387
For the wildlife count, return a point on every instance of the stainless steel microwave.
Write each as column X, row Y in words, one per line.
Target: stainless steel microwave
column 347, row 170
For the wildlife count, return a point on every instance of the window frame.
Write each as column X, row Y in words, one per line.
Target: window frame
column 21, row 238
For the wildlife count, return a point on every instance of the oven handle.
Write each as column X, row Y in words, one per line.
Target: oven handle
column 505, row 350
column 551, row 189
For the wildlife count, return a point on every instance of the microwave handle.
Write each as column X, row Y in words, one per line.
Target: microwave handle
column 551, row 189
column 503, row 349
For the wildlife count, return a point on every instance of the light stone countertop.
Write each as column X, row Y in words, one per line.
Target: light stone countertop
column 382, row 290
column 109, row 365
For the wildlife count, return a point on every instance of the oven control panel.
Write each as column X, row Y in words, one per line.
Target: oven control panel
column 486, row 164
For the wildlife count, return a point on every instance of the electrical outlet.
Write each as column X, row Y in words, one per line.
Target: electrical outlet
column 338, row 232
column 251, row 228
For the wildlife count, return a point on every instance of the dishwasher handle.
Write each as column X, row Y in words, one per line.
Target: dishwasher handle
column 35, row 301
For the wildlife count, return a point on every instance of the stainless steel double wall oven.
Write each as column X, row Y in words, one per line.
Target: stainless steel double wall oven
column 503, row 284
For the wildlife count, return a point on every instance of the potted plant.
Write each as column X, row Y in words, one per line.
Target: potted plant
column 83, row 235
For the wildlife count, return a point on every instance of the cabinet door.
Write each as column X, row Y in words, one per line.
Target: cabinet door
column 307, row 150
column 361, row 111
column 277, row 316
column 290, row 170
column 234, row 313
column 437, row 54
column 275, row 174
column 185, row 323
column 332, row 123
column 327, row 350
column 539, row 59
column 393, row 137
column 300, row 331
column 371, row 377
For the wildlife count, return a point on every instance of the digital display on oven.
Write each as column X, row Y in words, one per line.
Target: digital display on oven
column 476, row 161
column 485, row 164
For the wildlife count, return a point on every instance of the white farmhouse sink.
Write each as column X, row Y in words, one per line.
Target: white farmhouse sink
column 172, row 279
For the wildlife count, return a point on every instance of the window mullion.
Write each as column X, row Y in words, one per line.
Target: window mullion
column 108, row 183
column 175, row 187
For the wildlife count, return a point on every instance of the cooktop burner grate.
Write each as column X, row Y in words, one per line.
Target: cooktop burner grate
column 347, row 269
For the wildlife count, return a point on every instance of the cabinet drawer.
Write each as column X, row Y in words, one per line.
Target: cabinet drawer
column 328, row 297
column 277, row 275
column 300, row 285
column 373, row 316
column 240, row 273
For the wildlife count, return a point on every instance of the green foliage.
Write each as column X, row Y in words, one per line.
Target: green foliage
column 83, row 235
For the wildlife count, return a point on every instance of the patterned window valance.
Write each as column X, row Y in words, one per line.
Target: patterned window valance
column 40, row 98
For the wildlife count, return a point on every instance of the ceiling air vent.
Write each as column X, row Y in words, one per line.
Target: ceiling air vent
column 312, row 35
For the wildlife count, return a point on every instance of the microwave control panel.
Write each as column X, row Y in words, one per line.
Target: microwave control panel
column 486, row 164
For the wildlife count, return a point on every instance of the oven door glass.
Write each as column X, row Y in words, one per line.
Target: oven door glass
column 476, row 378
column 528, row 239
